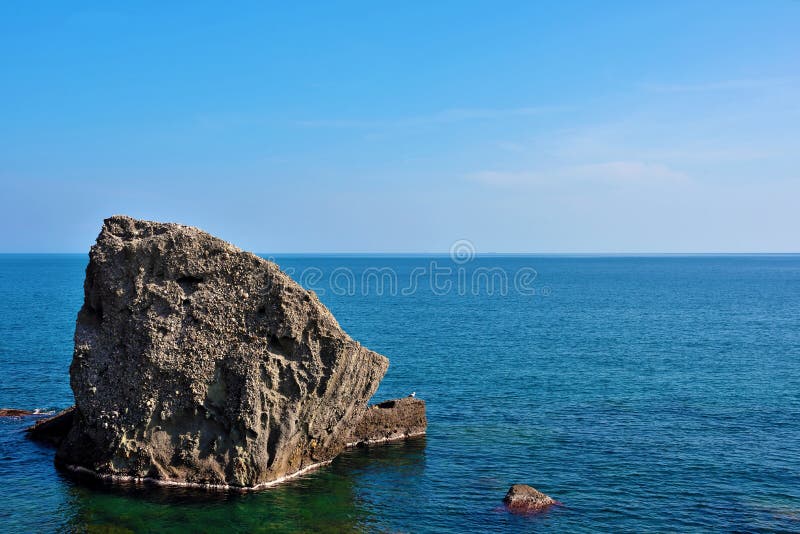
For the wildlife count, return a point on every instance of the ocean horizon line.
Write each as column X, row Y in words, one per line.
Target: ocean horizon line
column 445, row 254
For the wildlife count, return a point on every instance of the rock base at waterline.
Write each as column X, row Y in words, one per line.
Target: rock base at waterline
column 198, row 363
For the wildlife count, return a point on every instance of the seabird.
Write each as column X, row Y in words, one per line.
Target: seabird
column 413, row 394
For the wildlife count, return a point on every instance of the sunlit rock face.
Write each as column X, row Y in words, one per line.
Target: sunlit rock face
column 196, row 362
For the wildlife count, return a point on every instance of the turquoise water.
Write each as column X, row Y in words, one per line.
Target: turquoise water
column 645, row 393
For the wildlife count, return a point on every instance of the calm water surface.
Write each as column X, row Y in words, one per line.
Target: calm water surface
column 645, row 393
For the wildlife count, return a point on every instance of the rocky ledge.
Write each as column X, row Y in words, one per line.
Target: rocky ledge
column 198, row 363
column 390, row 421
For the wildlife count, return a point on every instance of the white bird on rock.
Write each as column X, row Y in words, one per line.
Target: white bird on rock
column 413, row 394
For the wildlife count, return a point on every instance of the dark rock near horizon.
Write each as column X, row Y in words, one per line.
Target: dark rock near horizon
column 524, row 499
column 196, row 362
column 390, row 420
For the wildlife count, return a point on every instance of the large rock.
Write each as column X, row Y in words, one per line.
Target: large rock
column 196, row 362
column 390, row 420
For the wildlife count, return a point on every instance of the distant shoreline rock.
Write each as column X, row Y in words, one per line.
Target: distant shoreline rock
column 196, row 363
column 14, row 412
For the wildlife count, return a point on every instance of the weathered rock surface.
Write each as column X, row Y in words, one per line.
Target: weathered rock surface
column 390, row 421
column 196, row 362
column 53, row 429
column 525, row 499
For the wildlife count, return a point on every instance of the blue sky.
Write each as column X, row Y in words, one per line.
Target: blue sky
column 400, row 127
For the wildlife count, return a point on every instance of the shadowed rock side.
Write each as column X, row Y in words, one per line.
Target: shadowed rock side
column 52, row 429
column 389, row 421
column 196, row 362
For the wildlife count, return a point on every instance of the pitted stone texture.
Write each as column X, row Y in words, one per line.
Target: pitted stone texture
column 197, row 362
column 524, row 499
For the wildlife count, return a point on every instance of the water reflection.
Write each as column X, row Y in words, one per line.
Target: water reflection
column 350, row 495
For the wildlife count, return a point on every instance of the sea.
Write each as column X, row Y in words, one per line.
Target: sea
column 654, row 393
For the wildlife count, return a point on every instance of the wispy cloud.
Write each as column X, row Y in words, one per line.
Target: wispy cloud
column 718, row 85
column 607, row 173
column 440, row 117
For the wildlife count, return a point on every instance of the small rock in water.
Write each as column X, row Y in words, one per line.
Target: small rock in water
column 13, row 412
column 524, row 499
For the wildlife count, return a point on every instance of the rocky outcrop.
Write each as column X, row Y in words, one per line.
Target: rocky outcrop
column 52, row 430
column 390, row 421
column 524, row 499
column 196, row 362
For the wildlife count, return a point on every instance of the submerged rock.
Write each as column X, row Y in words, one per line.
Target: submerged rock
column 14, row 412
column 390, row 421
column 196, row 362
column 525, row 499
